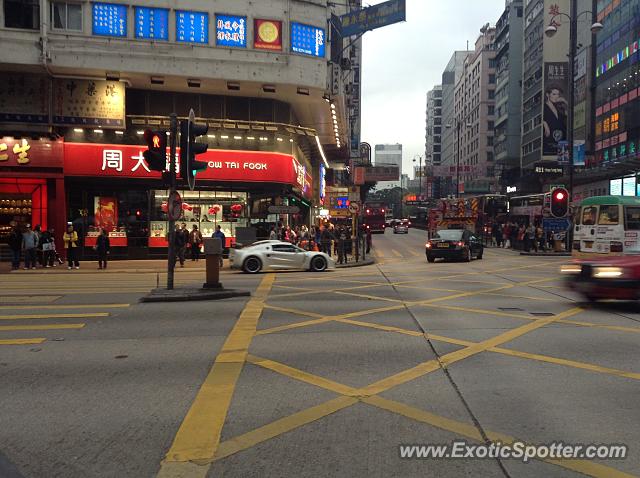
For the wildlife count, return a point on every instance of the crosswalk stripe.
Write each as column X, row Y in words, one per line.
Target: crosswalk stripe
column 396, row 253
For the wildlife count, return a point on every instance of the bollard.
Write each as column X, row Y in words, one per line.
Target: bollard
column 212, row 253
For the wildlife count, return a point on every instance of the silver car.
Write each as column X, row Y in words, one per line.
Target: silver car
column 276, row 256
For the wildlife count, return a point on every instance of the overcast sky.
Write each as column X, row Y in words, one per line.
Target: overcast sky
column 402, row 62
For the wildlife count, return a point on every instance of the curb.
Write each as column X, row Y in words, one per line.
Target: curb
column 546, row 254
column 188, row 294
column 366, row 262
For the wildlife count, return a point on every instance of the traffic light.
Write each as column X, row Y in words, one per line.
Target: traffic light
column 156, row 154
column 189, row 130
column 559, row 202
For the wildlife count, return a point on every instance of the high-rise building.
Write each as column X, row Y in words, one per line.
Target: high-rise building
column 474, row 118
column 442, row 183
column 433, row 136
column 508, row 96
column 388, row 155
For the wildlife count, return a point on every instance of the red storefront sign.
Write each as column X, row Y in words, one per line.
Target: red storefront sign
column 28, row 153
column 127, row 161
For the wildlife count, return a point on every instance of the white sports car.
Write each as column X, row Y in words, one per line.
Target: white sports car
column 278, row 255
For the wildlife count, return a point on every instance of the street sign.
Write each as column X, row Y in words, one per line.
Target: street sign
column 370, row 18
column 354, row 207
column 283, row 209
column 555, row 223
column 174, row 206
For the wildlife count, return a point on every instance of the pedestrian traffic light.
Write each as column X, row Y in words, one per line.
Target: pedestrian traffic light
column 189, row 130
column 156, row 154
column 559, row 202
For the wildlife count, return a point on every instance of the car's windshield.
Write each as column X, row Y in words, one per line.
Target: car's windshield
column 449, row 234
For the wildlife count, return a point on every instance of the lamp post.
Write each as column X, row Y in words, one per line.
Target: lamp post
column 550, row 31
column 419, row 172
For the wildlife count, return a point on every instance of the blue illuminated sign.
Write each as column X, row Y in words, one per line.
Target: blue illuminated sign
column 192, row 27
column 152, row 23
column 307, row 39
column 110, row 19
column 231, row 31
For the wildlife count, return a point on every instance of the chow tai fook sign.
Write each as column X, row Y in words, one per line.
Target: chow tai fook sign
column 372, row 174
column 127, row 161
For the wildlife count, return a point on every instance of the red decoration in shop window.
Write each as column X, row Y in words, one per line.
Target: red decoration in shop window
column 164, row 207
column 236, row 208
column 187, row 207
column 215, row 209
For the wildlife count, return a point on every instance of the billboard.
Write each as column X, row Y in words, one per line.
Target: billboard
column 307, row 39
column 109, row 19
column 231, row 31
column 555, row 77
column 192, row 27
column 152, row 23
column 267, row 34
column 372, row 174
column 375, row 16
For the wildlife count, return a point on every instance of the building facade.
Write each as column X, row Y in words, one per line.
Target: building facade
column 442, row 182
column 508, row 96
column 433, row 135
column 83, row 80
column 474, row 118
column 388, row 155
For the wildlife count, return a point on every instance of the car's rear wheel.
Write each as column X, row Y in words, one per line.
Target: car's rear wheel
column 467, row 255
column 479, row 256
column 252, row 265
column 431, row 259
column 318, row 264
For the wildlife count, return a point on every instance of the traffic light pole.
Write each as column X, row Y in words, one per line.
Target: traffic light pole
column 172, row 189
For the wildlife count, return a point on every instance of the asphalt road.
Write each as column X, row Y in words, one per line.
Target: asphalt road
column 316, row 374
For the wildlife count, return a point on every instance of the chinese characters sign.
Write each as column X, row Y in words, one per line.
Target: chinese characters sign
column 376, row 16
column 192, row 27
column 24, row 98
column 88, row 102
column 15, row 152
column 110, row 19
column 307, row 39
column 231, row 31
column 267, row 34
column 152, row 23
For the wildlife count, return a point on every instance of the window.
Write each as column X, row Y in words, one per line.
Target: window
column 489, row 140
column 632, row 215
column 491, row 110
column 490, row 125
column 66, row 16
column 608, row 215
column 284, row 248
column 492, row 79
column 589, row 215
column 492, row 94
column 22, row 14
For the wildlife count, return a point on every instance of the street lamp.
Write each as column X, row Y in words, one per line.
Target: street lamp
column 419, row 171
column 550, row 31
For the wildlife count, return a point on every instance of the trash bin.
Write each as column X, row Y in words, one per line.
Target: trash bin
column 557, row 242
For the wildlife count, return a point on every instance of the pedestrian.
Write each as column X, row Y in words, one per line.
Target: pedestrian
column 325, row 241
column 48, row 246
column 70, row 239
column 369, row 240
column 273, row 235
column 223, row 242
column 15, row 244
column 103, row 248
column 497, row 234
column 342, row 239
column 195, row 239
column 180, row 238
column 529, row 237
column 29, row 246
column 38, row 232
column 539, row 238
column 506, row 235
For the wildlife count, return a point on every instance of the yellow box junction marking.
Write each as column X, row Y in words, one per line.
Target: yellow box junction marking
column 22, row 341
column 54, row 316
column 62, row 306
column 199, row 434
column 8, row 328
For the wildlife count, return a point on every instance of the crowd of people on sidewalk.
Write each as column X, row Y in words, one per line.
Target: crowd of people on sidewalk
column 35, row 248
column 512, row 235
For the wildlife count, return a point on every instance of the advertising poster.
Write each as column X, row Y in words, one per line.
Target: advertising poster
column 555, row 77
column 307, row 39
column 231, row 31
column 192, row 27
column 24, row 98
column 106, row 212
column 152, row 23
column 88, row 102
column 109, row 19
column 267, row 35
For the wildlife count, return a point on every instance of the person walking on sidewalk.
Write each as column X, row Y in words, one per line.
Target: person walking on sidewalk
column 180, row 239
column 195, row 239
column 70, row 239
column 102, row 248
column 48, row 246
column 15, row 244
column 218, row 234
column 29, row 246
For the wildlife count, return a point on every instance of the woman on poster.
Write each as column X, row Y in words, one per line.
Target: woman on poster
column 554, row 120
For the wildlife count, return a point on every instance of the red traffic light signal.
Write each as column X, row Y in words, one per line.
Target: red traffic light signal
column 559, row 202
column 156, row 154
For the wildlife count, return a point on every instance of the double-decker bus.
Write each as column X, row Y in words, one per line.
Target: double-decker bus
column 373, row 216
column 528, row 209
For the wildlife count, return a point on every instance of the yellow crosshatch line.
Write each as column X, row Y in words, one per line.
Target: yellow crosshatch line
column 351, row 396
column 369, row 393
column 63, row 306
column 7, row 328
column 54, row 316
column 21, row 341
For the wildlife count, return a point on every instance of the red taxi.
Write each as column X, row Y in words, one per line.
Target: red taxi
column 611, row 277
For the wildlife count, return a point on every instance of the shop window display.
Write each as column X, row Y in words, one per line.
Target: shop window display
column 205, row 209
